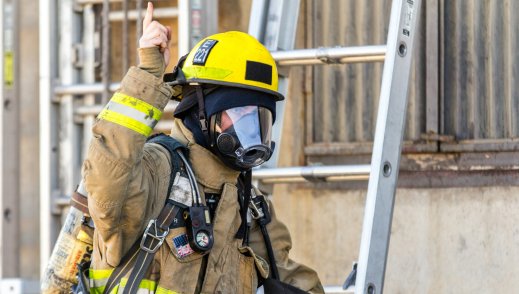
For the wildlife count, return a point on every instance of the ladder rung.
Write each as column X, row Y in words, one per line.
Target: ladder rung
column 330, row 55
column 97, row 108
column 337, row 290
column 84, row 2
column 132, row 14
column 312, row 173
column 83, row 89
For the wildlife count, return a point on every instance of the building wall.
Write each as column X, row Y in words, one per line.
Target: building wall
column 29, row 141
column 455, row 240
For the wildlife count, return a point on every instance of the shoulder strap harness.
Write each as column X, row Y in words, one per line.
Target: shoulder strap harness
column 140, row 255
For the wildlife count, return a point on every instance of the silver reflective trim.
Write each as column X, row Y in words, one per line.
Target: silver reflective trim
column 132, row 113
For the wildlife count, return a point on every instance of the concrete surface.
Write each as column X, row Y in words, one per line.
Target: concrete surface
column 457, row 240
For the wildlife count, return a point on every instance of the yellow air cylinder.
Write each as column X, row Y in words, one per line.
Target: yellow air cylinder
column 73, row 246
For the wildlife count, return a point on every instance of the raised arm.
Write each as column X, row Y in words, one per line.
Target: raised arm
column 121, row 176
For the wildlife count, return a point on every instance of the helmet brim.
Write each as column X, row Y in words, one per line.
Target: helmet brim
column 224, row 98
column 278, row 96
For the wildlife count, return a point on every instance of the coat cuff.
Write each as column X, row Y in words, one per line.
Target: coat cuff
column 152, row 61
column 145, row 86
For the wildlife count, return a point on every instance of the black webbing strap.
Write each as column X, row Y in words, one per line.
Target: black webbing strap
column 262, row 215
column 140, row 256
column 124, row 267
column 151, row 241
column 171, row 145
column 272, row 284
column 272, row 260
column 245, row 183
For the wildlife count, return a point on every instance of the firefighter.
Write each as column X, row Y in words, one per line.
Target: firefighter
column 229, row 89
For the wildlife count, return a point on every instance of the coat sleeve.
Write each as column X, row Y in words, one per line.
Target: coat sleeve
column 121, row 176
column 290, row 272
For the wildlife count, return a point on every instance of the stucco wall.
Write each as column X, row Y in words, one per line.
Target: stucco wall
column 29, row 141
column 456, row 240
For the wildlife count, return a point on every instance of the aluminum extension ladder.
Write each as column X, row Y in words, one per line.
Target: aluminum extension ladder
column 274, row 24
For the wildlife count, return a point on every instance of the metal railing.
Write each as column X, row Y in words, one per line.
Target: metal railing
column 330, row 55
column 327, row 173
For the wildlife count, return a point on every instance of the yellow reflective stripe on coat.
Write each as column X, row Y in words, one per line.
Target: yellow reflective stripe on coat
column 148, row 285
column 99, row 278
column 161, row 290
column 131, row 113
column 99, row 274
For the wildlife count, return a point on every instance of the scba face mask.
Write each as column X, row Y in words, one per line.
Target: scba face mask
column 242, row 136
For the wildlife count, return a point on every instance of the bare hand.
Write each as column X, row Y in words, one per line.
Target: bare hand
column 155, row 34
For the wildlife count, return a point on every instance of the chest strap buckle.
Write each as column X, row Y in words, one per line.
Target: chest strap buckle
column 256, row 212
column 152, row 231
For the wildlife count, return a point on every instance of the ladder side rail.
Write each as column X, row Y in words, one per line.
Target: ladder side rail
column 387, row 147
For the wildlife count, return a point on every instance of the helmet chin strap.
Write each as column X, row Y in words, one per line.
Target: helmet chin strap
column 202, row 118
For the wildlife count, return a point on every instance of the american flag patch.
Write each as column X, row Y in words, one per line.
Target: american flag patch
column 182, row 246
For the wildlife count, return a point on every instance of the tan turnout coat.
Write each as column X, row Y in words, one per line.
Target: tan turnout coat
column 127, row 183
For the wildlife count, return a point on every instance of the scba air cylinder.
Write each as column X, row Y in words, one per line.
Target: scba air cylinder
column 73, row 247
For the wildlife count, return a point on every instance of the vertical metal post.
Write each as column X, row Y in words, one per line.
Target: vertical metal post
column 125, row 37
column 274, row 23
column 258, row 18
column 48, row 126
column 183, row 27
column 106, row 49
column 197, row 19
column 10, row 125
column 88, row 72
column 387, row 147
column 139, row 24
column 69, row 131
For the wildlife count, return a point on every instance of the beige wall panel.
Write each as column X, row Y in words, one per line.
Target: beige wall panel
column 117, row 39
column 233, row 15
column 457, row 240
column 29, row 141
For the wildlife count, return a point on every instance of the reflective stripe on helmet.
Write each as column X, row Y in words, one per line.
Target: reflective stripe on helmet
column 131, row 113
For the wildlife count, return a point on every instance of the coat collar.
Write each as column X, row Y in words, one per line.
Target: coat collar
column 209, row 170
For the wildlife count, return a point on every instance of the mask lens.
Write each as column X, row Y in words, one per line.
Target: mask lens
column 244, row 133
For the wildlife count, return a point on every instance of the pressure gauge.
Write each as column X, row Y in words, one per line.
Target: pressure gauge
column 199, row 229
column 202, row 239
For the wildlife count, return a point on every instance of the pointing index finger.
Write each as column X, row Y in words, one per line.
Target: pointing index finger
column 148, row 18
